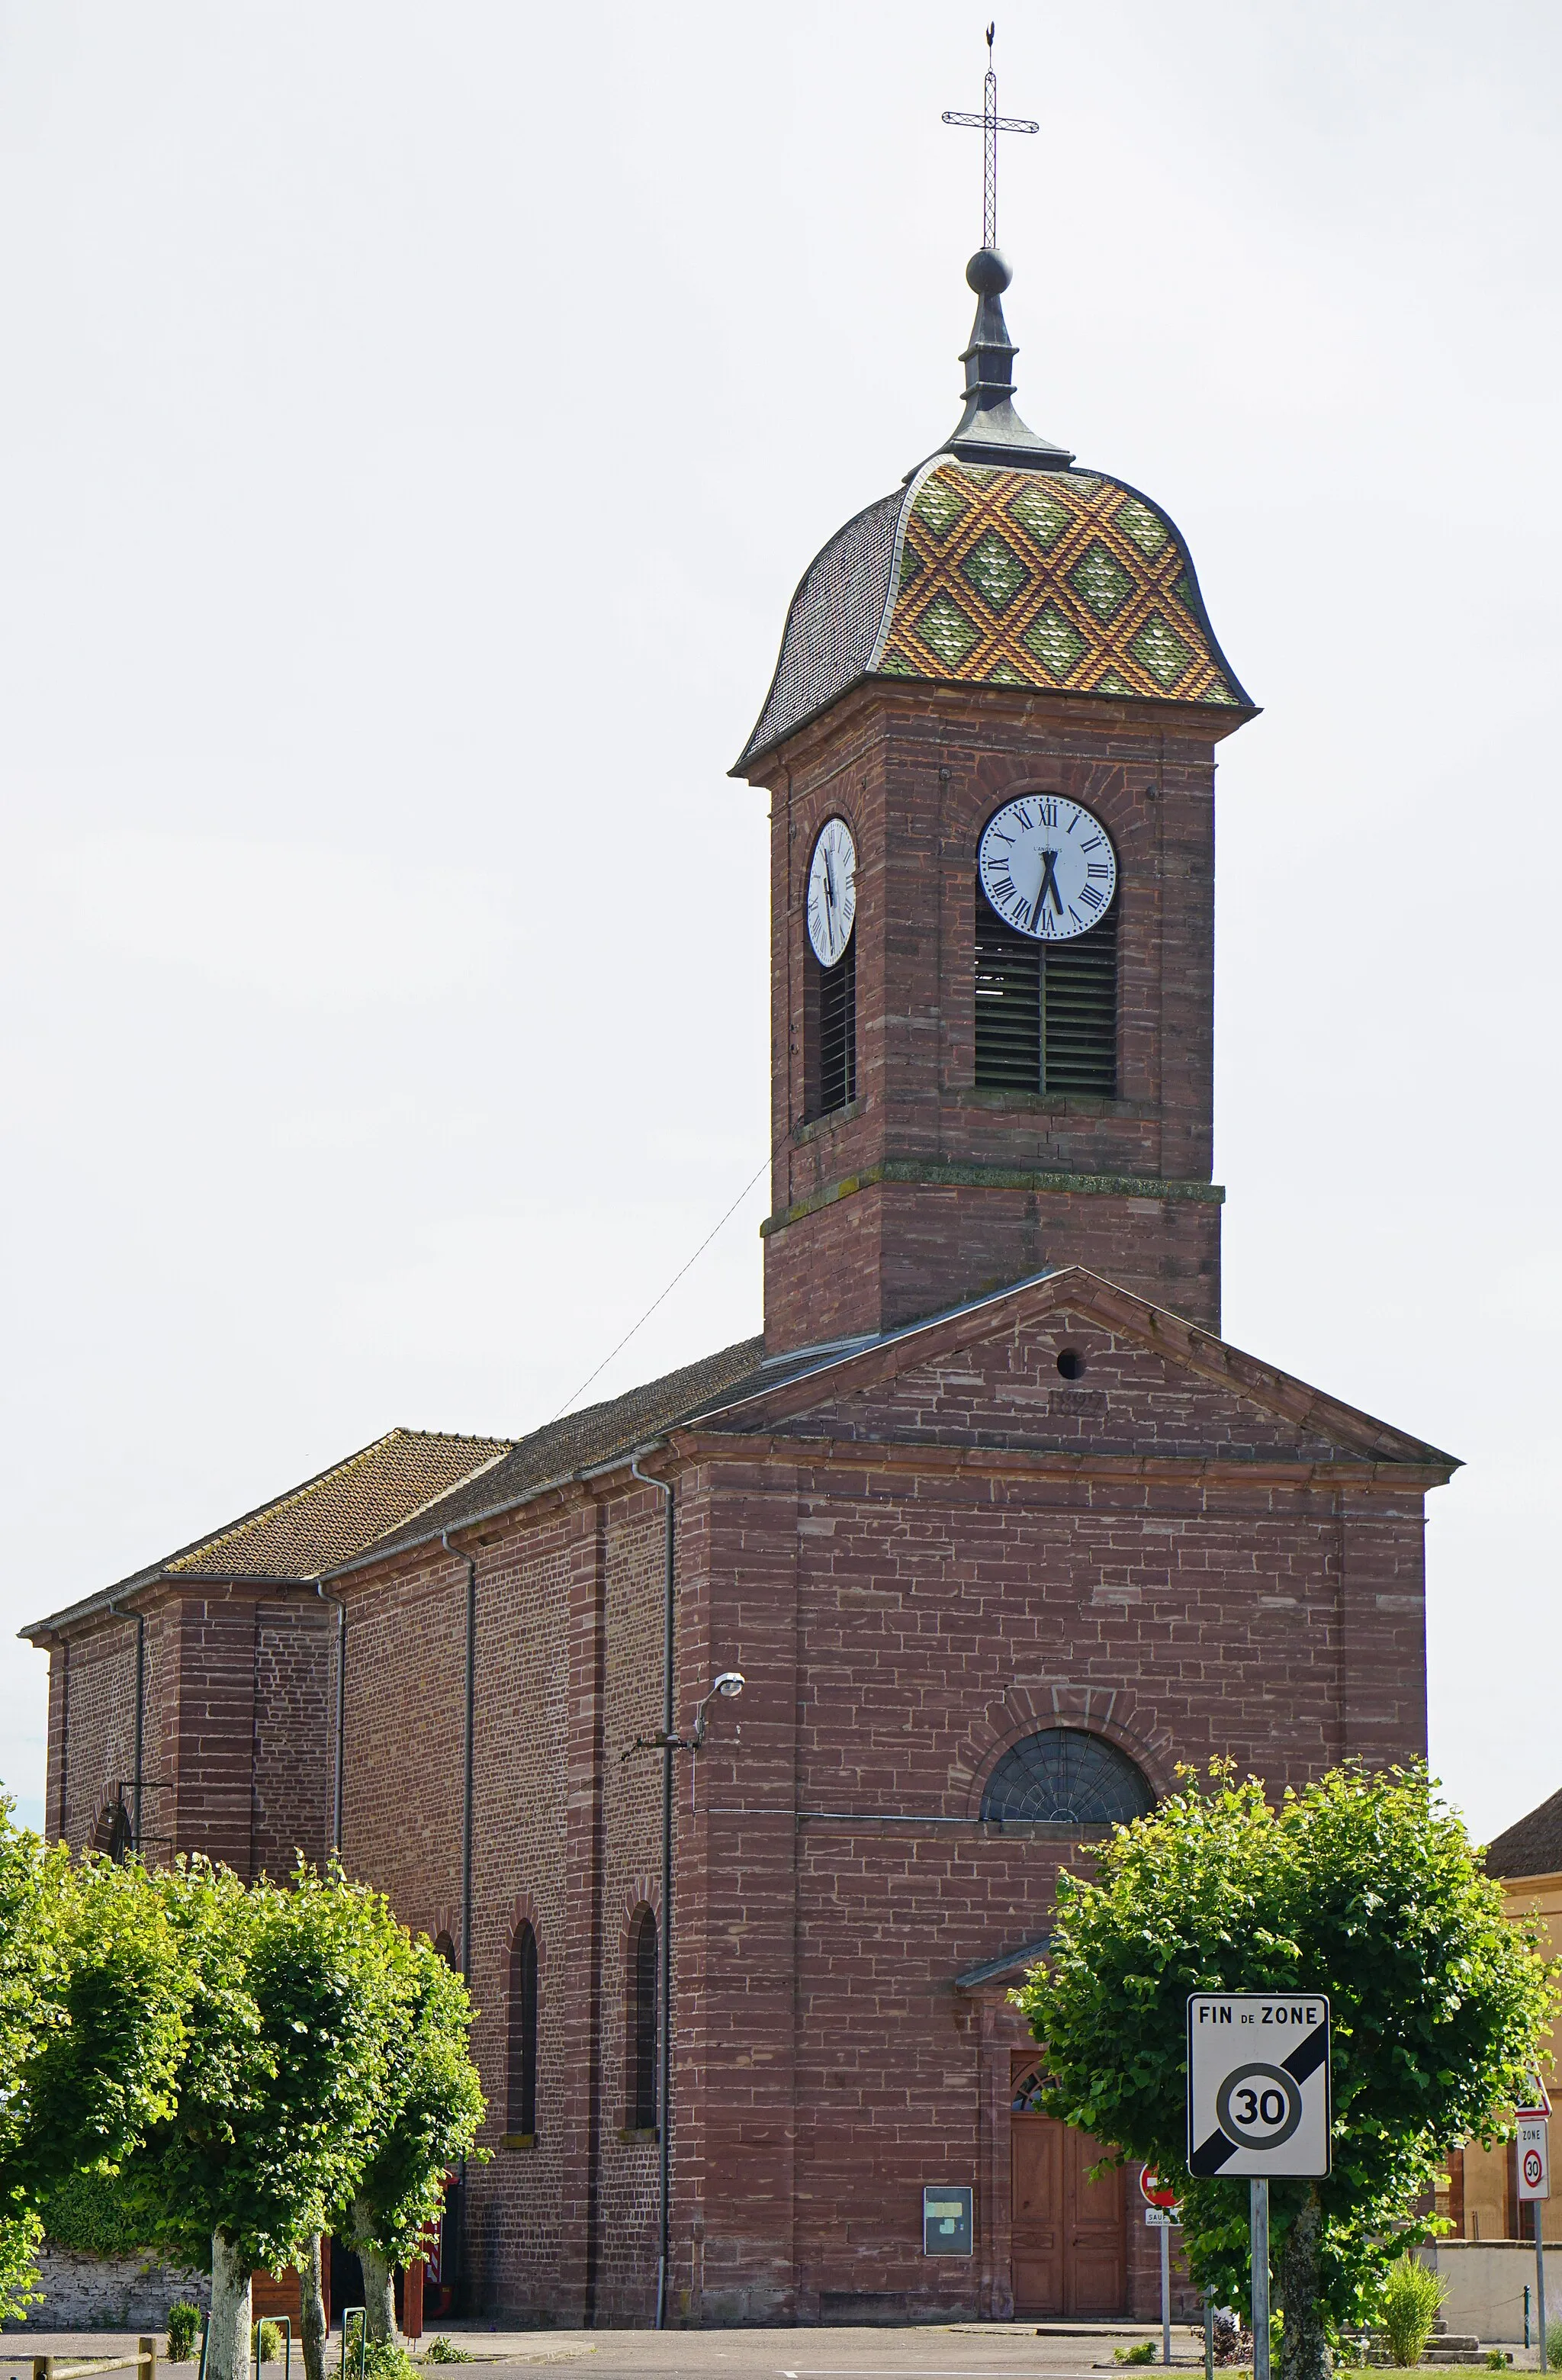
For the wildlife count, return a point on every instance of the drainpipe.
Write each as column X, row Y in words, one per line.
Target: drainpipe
column 471, row 1562
column 665, row 2046
column 341, row 1712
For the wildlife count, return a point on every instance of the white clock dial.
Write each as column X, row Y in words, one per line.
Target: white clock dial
column 832, row 891
column 1048, row 867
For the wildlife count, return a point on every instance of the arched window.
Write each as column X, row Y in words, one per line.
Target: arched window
column 1065, row 1777
column 521, row 2108
column 1026, row 2097
column 446, row 1949
column 640, row 2028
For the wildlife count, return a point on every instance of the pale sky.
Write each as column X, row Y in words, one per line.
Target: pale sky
column 413, row 423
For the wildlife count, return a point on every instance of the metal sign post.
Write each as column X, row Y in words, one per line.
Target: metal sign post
column 1534, row 2184
column 1258, row 2227
column 1161, row 2210
column 1166, row 2295
column 1258, row 2106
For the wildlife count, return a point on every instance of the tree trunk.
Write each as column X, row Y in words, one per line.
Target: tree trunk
column 311, row 2295
column 379, row 2277
column 227, row 2325
column 1303, row 2346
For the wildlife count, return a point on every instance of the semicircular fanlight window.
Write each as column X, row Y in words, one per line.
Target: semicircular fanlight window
column 1027, row 2100
column 1061, row 1776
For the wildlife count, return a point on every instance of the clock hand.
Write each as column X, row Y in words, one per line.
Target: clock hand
column 1049, row 882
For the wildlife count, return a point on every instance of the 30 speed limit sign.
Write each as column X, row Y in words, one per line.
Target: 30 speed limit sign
column 1258, row 2084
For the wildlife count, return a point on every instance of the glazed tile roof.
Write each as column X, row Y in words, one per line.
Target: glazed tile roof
column 301, row 1533
column 1064, row 581
column 1531, row 1846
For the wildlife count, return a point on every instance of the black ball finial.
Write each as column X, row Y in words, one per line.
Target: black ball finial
column 988, row 273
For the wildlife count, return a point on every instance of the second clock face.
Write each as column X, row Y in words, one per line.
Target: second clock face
column 1048, row 867
column 832, row 891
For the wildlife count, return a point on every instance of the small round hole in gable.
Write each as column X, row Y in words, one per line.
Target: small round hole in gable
column 1070, row 1363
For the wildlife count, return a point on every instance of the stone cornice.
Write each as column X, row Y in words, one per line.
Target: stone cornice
column 926, row 1173
column 1295, row 1474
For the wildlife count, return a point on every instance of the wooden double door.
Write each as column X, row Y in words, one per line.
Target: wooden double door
column 1069, row 2243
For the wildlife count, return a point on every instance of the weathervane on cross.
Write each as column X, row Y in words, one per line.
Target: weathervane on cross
column 991, row 124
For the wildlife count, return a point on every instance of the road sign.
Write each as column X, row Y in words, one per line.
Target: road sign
column 1164, row 2218
column 1258, row 2084
column 1156, row 2192
column 1535, row 2156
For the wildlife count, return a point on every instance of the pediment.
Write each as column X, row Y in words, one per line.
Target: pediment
column 1065, row 1364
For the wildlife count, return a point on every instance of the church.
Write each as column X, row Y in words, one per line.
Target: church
column 730, row 1736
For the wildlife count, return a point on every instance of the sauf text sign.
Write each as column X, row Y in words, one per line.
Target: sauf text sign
column 1258, row 2084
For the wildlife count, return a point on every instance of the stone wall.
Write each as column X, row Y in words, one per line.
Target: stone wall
column 108, row 2293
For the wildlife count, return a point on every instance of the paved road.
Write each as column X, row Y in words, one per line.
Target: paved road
column 964, row 2351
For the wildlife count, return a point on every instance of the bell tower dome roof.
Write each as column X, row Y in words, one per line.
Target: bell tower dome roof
column 998, row 561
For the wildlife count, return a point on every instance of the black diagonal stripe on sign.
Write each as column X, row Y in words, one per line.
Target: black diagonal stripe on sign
column 1305, row 2060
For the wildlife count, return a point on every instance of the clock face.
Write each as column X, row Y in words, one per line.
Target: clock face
column 832, row 891
column 1048, row 867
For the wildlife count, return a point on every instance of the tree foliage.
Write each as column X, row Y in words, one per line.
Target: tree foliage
column 1362, row 1887
column 216, row 2071
column 291, row 2005
column 92, row 1998
column 431, row 2108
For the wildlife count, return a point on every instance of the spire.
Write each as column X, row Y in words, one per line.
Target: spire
column 989, row 430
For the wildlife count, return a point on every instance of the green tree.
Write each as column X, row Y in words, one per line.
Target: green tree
column 428, row 2109
column 93, row 2002
column 1362, row 1887
column 293, row 1998
column 428, row 2118
column 26, row 1956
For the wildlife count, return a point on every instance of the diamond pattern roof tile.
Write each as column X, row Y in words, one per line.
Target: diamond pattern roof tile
column 1068, row 582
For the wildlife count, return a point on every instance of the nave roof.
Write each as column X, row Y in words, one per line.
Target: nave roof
column 408, row 1488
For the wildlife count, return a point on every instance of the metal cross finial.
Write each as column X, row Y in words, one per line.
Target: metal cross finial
column 991, row 124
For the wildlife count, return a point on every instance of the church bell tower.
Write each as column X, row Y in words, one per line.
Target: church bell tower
column 989, row 746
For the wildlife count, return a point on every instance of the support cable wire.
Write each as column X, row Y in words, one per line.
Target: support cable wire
column 677, row 1277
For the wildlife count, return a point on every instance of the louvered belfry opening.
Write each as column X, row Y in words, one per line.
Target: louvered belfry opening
column 837, row 1032
column 1047, row 1013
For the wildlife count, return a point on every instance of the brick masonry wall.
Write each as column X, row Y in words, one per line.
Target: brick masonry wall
column 912, row 1573
column 934, row 1623
column 917, row 776
column 214, row 1728
column 294, row 1718
column 100, row 1728
column 564, row 1834
column 92, row 1746
column 913, row 1570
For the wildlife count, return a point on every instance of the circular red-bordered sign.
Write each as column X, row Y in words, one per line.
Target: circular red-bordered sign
column 1532, row 2168
column 1156, row 2192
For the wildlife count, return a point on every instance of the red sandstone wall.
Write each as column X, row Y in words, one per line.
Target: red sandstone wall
column 917, row 776
column 295, row 1715
column 100, row 1726
column 900, row 1618
column 568, row 1671
column 936, row 1621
